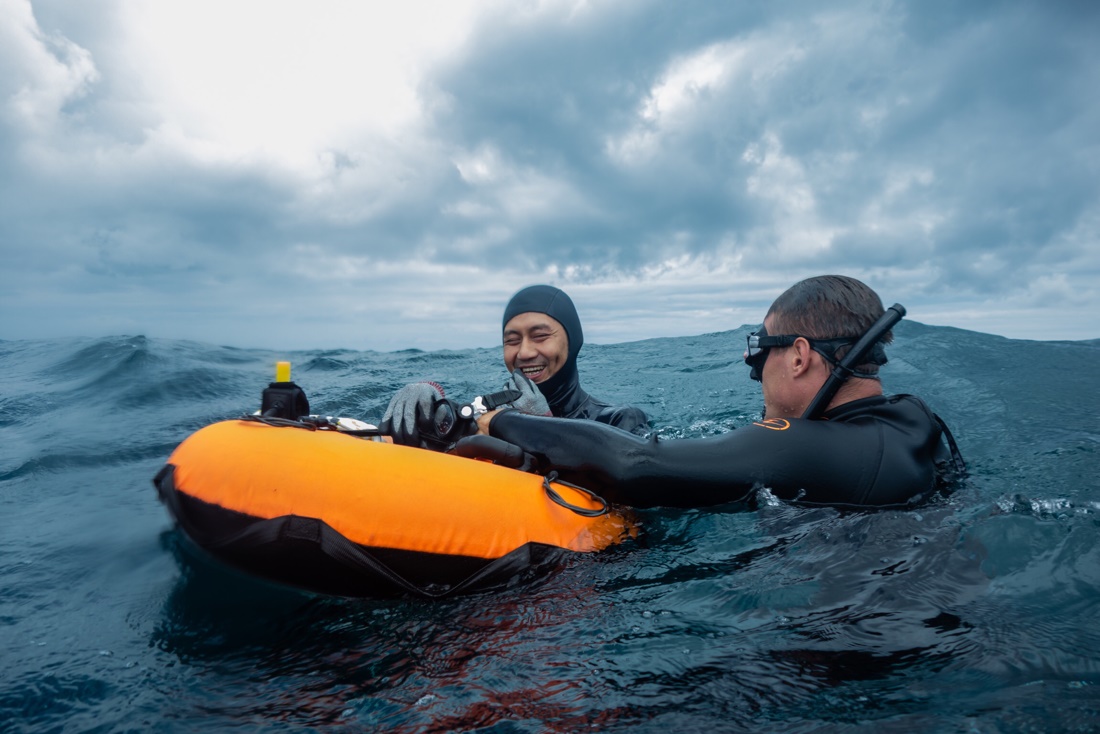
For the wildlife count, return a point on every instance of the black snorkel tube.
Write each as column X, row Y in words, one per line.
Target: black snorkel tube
column 855, row 356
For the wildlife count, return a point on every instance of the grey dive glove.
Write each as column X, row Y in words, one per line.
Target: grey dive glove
column 530, row 400
column 410, row 404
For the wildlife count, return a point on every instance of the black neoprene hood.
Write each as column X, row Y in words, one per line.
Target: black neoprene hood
column 563, row 391
column 554, row 303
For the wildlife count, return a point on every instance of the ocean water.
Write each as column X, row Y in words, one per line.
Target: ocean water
column 974, row 614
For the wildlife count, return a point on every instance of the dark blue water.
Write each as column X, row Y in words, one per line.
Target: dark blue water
column 977, row 614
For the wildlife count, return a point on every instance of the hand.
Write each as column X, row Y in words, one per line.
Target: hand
column 530, row 400
column 483, row 422
column 411, row 403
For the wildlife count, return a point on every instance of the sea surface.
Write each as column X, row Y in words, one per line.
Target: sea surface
column 977, row 613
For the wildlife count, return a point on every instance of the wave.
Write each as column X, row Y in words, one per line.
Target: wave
column 784, row 617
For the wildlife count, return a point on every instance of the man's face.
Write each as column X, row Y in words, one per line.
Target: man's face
column 774, row 381
column 536, row 344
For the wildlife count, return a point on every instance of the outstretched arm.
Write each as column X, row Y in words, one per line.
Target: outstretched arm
column 809, row 461
column 624, row 467
column 625, row 418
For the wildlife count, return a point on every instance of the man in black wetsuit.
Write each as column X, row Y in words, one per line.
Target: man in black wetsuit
column 542, row 338
column 829, row 437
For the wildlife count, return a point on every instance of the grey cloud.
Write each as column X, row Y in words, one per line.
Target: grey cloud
column 957, row 89
column 950, row 149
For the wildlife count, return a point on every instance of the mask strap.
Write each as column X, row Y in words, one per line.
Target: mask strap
column 849, row 371
column 857, row 355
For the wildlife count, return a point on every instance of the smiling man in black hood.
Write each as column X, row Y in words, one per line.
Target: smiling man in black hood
column 542, row 338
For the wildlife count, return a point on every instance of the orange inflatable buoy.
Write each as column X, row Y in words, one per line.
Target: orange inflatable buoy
column 337, row 514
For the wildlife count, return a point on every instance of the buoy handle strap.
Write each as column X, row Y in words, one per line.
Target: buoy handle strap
column 558, row 499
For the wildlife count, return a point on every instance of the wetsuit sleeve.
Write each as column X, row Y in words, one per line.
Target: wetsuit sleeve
column 856, row 464
column 625, row 418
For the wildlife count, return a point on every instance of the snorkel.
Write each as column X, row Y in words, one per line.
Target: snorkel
column 844, row 368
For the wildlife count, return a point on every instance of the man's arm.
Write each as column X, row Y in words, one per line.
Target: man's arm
column 625, row 418
column 816, row 462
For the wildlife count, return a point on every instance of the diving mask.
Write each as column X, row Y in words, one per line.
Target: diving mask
column 759, row 342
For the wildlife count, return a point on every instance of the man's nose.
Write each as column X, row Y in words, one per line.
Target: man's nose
column 527, row 350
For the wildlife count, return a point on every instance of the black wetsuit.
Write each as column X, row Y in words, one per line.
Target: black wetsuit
column 875, row 452
column 571, row 401
column 563, row 391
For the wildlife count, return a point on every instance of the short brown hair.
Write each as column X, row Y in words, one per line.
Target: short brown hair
column 829, row 307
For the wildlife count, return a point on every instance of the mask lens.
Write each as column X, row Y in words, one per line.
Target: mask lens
column 755, row 355
column 752, row 349
column 443, row 419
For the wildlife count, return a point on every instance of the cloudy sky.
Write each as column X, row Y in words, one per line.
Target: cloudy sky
column 378, row 175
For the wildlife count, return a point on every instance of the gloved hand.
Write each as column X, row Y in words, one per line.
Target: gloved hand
column 410, row 404
column 531, row 400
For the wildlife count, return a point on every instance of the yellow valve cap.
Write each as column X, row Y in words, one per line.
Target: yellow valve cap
column 282, row 372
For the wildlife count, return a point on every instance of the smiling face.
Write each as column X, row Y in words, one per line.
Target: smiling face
column 535, row 344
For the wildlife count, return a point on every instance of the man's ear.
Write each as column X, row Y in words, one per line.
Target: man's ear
column 800, row 356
